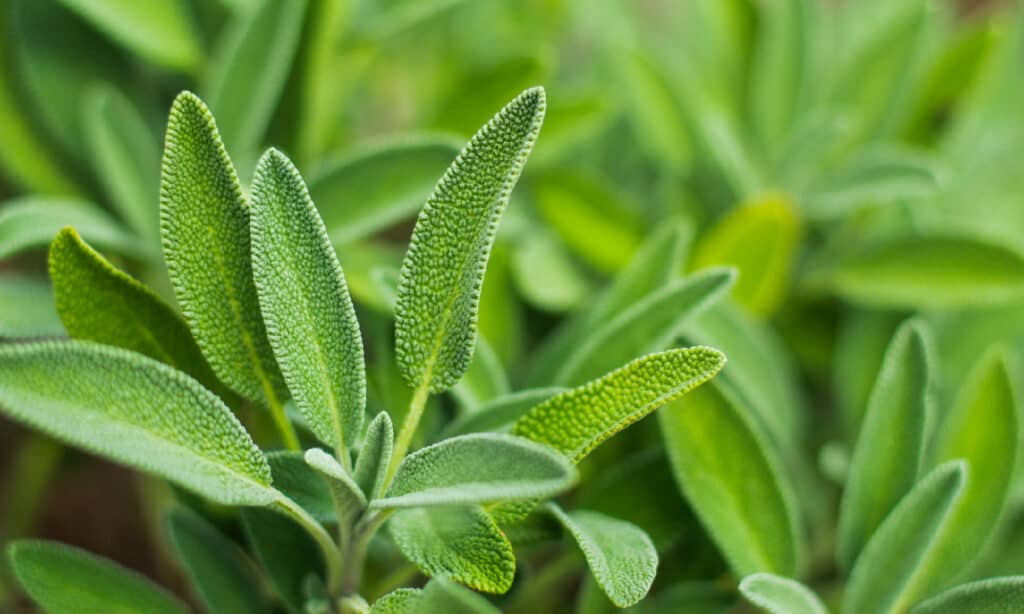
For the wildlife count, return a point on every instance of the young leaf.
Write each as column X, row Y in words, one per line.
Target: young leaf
column 780, row 595
column 286, row 553
column 435, row 317
column 500, row 413
column 26, row 308
column 577, row 421
column 887, row 576
column 220, row 574
column 31, row 222
column 348, row 499
column 992, row 596
column 62, row 580
column 462, row 543
column 889, row 453
column 478, row 468
column 374, row 456
column 648, row 326
column 204, row 221
column 733, row 480
column 137, row 411
column 310, row 320
column 302, row 484
column 620, row 555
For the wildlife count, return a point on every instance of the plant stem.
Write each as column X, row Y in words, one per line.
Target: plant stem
column 355, row 553
column 284, row 426
column 332, row 557
column 409, row 425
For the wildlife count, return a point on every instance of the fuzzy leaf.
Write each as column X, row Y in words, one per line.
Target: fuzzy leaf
column 220, row 574
column 462, row 543
column 439, row 595
column 137, row 411
column 577, row 421
column 302, row 484
column 204, row 221
column 31, row 222
column 374, row 456
column 348, row 499
column 310, row 320
column 500, row 413
column 372, row 188
column 890, row 448
column 732, row 478
column 620, row 555
column 65, row 580
column 26, row 308
column 398, row 601
column 780, row 595
column 887, row 576
column 287, row 554
column 648, row 326
column 443, row 270
column 478, row 468
column 992, row 596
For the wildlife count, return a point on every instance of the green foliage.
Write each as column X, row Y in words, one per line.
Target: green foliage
column 779, row 595
column 375, row 456
column 995, row 596
column 30, row 223
column 26, row 308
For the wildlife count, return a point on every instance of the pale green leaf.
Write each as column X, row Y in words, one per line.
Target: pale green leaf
column 287, row 554
column 500, row 413
column 204, row 221
column 443, row 270
column 478, row 88
column 573, row 121
column 439, row 595
column 380, row 20
column 478, row 468
column 349, row 500
column 860, row 347
column 374, row 456
column 546, row 275
column 462, row 543
column 620, row 555
column 780, row 595
column 577, row 421
column 484, row 380
column 66, row 580
column 31, row 222
column 398, row 601
column 302, row 484
column 311, row 322
column 221, row 575
column 888, row 457
column 887, row 576
column 26, row 308
column 731, row 476
column 992, row 596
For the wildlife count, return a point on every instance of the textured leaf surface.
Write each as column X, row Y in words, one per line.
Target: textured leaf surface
column 287, row 554
column 461, row 543
column 348, row 499
column 136, row 411
column 478, row 468
column 500, row 413
column 375, row 455
column 577, row 421
column 302, row 484
column 204, row 221
column 889, row 453
column 31, row 222
column 733, row 480
column 780, row 595
column 438, row 595
column 620, row 555
column 993, row 596
column 310, row 320
column 443, row 270
column 398, row 601
column 217, row 569
column 26, row 308
column 64, row 580
column 887, row 575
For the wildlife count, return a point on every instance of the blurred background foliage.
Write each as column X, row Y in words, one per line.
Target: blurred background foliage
column 858, row 162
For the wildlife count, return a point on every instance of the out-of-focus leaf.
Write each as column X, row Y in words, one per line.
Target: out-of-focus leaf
column 546, row 274
column 26, row 308
column 780, row 595
column 366, row 266
column 302, row 484
column 863, row 339
column 473, row 98
column 484, row 380
column 571, row 121
column 286, row 553
column 379, row 20
column 993, row 596
column 500, row 413
column 31, row 222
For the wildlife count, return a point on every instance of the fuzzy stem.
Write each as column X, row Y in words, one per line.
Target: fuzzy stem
column 355, row 552
column 409, row 425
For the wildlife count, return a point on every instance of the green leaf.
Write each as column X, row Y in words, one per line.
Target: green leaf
column 220, row 574
column 732, row 478
column 287, row 554
column 478, row 468
column 860, row 348
column 887, row 577
column 438, row 595
column 100, row 303
column 398, row 601
column 780, row 595
column 249, row 71
column 992, row 596
column 500, row 413
column 443, row 270
column 204, row 220
column 760, row 239
column 378, row 21
column 26, row 308
column 620, row 555
column 889, row 454
column 348, row 499
column 310, row 320
column 462, row 543
column 374, row 456
column 650, row 325
column 137, row 411
column 64, row 580
column 484, row 380
column 546, row 274
column 125, row 157
column 31, row 222
column 577, row 421
column 373, row 187
column 302, row 484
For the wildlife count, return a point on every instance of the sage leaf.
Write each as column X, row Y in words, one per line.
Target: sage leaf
column 620, row 555
column 781, row 72
column 888, row 457
column 62, row 580
column 577, row 421
column 398, row 601
column 648, row 326
column 374, row 456
column 731, row 476
column 461, row 543
column 546, row 274
column 286, row 553
column 485, row 378
column 993, row 596
column 26, row 308
column 204, row 221
column 311, row 322
column 31, row 222
column 780, row 595
column 439, row 287
column 478, row 468
column 349, row 500
column 500, row 413
column 136, row 411
column 887, row 575
column 302, row 484
column 439, row 595
column 220, row 574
